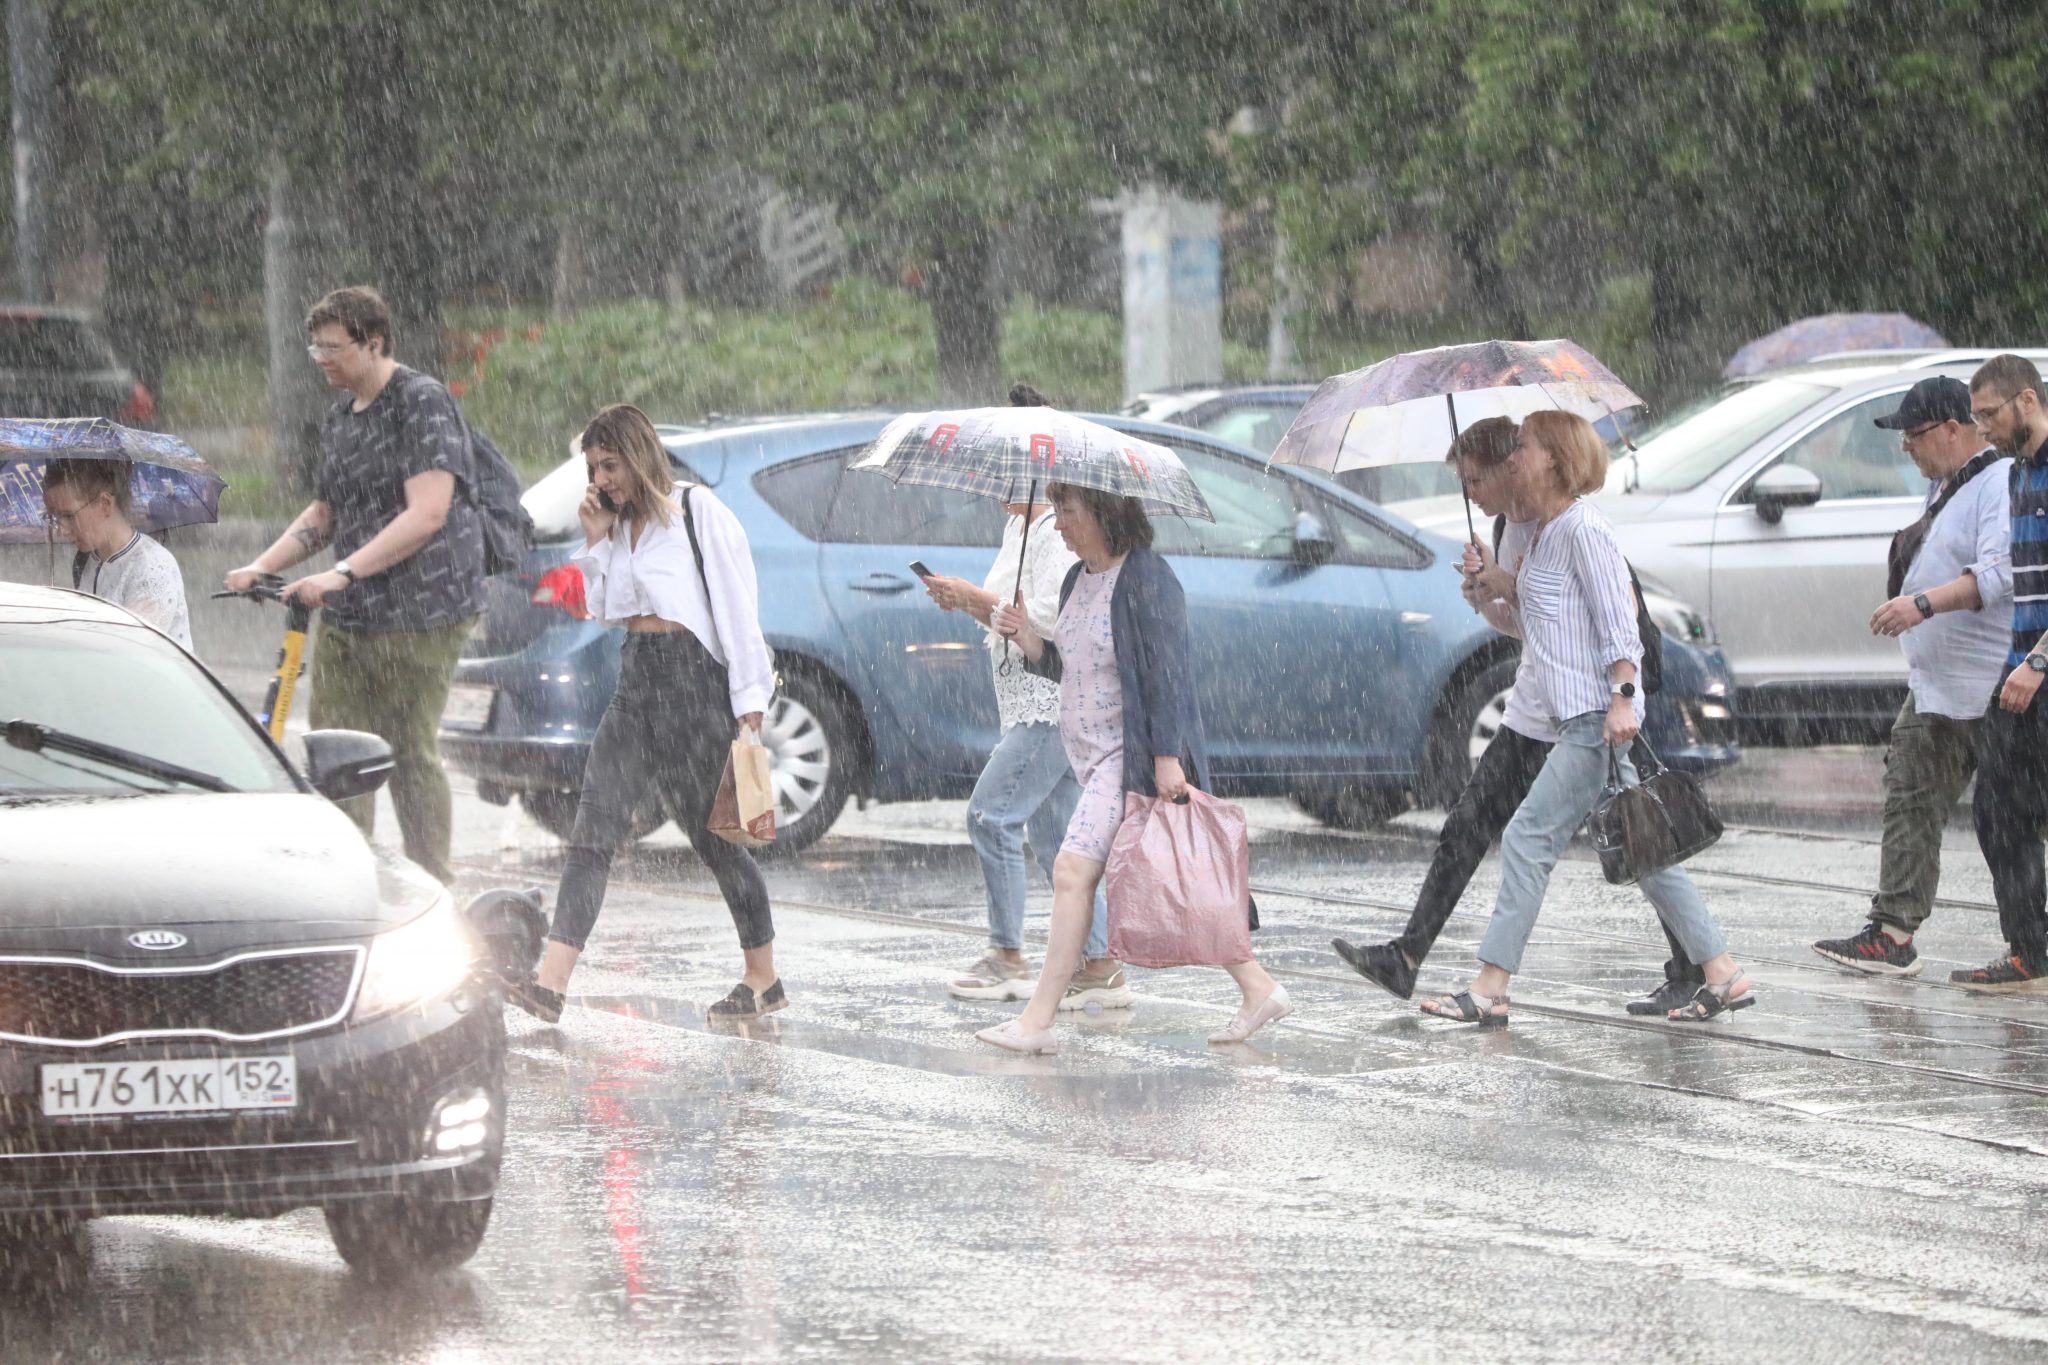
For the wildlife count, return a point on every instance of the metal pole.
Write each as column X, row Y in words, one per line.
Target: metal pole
column 31, row 67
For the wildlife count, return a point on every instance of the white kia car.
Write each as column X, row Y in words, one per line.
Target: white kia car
column 1771, row 505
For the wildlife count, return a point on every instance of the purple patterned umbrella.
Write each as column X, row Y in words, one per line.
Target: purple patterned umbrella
column 1408, row 408
column 1011, row 453
column 1811, row 338
column 169, row 485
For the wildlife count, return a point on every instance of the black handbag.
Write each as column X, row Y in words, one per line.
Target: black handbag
column 1658, row 823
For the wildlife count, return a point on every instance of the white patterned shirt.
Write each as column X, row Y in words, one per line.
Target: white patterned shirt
column 143, row 577
column 1024, row 698
column 1577, row 613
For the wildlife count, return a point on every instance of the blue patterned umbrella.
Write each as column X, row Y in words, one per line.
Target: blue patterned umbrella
column 169, row 485
column 1811, row 338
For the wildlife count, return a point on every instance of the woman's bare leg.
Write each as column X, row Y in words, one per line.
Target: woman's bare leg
column 1074, row 880
column 1252, row 979
column 555, row 966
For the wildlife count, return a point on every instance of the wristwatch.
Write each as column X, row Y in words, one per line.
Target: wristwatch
column 2038, row 661
column 341, row 567
column 1926, row 607
column 1627, row 689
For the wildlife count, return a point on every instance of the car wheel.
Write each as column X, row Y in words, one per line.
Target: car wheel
column 1356, row 808
column 1465, row 725
column 396, row 1236
column 813, row 754
column 555, row 812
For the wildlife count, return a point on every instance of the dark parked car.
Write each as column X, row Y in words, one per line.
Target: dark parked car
column 1338, row 664
column 55, row 362
column 215, row 997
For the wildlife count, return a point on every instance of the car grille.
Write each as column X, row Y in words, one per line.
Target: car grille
column 265, row 995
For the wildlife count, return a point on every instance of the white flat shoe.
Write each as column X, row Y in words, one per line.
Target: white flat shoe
column 1249, row 1019
column 1012, row 1037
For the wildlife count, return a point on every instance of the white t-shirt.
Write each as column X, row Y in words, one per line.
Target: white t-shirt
column 143, row 577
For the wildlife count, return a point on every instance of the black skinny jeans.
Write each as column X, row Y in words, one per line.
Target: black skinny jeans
column 1497, row 787
column 2010, row 807
column 669, row 729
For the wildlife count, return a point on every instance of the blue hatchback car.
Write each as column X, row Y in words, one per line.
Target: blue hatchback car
column 1338, row 664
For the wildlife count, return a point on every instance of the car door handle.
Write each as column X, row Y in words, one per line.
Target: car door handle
column 881, row 582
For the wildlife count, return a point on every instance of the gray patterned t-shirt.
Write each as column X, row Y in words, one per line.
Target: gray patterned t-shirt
column 411, row 427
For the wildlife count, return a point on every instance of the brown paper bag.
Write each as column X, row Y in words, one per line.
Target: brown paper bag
column 743, row 812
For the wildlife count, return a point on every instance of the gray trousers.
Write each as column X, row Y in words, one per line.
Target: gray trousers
column 1925, row 770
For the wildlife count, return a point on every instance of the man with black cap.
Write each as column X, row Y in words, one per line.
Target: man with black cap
column 1949, row 606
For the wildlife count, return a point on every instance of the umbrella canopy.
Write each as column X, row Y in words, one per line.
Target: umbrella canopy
column 169, row 485
column 1810, row 338
column 1408, row 408
column 1010, row 454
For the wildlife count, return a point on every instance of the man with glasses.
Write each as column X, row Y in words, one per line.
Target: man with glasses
column 2012, row 742
column 394, row 453
column 1948, row 593
column 87, row 502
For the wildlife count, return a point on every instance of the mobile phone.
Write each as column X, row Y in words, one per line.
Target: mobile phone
column 604, row 500
column 917, row 566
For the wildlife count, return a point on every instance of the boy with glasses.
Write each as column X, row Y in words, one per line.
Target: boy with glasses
column 87, row 500
column 2012, row 741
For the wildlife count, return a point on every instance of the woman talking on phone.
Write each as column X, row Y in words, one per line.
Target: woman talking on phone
column 671, row 564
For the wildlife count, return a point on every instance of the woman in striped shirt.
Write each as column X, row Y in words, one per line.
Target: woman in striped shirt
column 1572, row 601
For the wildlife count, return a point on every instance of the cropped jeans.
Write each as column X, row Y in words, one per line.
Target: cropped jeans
column 668, row 732
column 1559, row 801
column 1027, row 789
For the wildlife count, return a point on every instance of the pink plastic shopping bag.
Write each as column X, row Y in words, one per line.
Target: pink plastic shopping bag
column 1179, row 883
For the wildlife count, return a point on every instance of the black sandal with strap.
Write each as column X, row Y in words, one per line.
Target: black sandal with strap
column 1464, row 1008
column 741, row 1003
column 1710, row 1000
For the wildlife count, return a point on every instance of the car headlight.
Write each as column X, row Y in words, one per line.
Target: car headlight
column 424, row 960
column 1675, row 618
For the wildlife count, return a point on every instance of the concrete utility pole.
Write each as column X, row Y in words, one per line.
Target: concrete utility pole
column 299, row 245
column 31, row 68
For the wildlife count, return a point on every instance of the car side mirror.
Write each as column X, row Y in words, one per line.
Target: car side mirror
column 345, row 763
column 1782, row 486
column 1312, row 543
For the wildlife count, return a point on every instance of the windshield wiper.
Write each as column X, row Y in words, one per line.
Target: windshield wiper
column 33, row 738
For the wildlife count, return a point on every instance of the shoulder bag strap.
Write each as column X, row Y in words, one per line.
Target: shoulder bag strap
column 697, row 553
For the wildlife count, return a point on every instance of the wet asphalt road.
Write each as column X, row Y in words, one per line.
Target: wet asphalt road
column 1851, row 1171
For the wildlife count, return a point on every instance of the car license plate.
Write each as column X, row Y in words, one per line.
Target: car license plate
column 468, row 708
column 183, row 1086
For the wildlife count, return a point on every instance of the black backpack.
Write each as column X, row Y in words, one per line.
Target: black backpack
column 508, row 530
column 1651, row 672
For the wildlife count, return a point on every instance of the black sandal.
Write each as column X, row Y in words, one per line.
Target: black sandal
column 537, row 1000
column 741, row 1002
column 1710, row 1000
column 1464, row 1008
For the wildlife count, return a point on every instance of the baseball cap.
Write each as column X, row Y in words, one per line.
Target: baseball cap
column 1938, row 399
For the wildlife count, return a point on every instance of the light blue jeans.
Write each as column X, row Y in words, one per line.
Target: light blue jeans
column 1558, row 802
column 1027, row 788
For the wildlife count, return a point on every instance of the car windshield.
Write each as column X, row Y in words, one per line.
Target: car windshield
column 1685, row 449
column 130, row 688
column 554, row 498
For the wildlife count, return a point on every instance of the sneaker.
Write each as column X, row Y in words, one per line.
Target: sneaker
column 994, row 978
column 2006, row 974
column 1676, row 993
column 1109, row 990
column 1873, row 951
column 1380, row 963
column 741, row 1003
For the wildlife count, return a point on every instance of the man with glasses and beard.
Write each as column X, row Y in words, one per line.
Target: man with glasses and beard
column 2012, row 740
column 1948, row 603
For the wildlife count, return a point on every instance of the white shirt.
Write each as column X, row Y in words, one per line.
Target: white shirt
column 658, row 577
column 1524, row 716
column 143, row 577
column 1954, row 659
column 1022, row 697
column 1577, row 614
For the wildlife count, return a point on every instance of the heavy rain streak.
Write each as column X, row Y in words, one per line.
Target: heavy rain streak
column 925, row 681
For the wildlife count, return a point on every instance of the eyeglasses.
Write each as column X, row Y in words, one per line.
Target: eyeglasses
column 61, row 518
column 322, row 350
column 1917, row 432
column 1984, row 415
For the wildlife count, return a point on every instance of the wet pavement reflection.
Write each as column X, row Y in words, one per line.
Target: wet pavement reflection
column 1849, row 1171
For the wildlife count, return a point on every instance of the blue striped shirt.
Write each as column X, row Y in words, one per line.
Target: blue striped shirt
column 2029, row 554
column 1577, row 613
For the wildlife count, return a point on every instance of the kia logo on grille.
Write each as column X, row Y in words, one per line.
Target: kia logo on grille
column 161, row 940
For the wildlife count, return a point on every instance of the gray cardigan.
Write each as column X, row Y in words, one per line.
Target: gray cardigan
column 1148, row 620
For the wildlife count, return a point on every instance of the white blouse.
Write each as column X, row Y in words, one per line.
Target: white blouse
column 1022, row 697
column 658, row 577
column 143, row 576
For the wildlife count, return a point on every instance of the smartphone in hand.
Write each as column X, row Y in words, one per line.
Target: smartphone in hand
column 917, row 566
